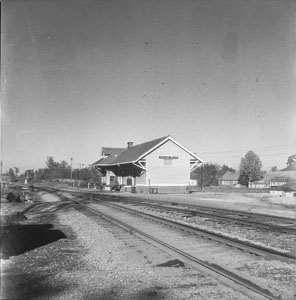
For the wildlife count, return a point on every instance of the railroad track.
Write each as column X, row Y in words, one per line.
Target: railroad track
column 224, row 218
column 262, row 221
column 268, row 222
column 136, row 229
column 165, row 238
column 220, row 238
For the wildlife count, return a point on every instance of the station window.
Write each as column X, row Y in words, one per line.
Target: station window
column 168, row 162
column 112, row 178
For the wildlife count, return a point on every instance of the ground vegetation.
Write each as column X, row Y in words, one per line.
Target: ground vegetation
column 291, row 160
column 61, row 171
column 208, row 174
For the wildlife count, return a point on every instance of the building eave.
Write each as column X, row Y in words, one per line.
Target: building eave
column 163, row 142
column 117, row 164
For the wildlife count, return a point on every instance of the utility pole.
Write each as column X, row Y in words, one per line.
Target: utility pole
column 79, row 175
column 202, row 174
column 71, row 172
column 1, row 184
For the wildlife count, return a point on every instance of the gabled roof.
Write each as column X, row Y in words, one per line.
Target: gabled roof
column 229, row 175
column 132, row 154
column 104, row 160
column 137, row 152
column 109, row 155
column 289, row 187
column 290, row 168
column 106, row 151
column 267, row 177
column 279, row 176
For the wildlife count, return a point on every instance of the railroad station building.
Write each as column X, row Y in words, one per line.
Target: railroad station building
column 160, row 165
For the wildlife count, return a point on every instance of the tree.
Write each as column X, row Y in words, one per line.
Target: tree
column 222, row 170
column 250, row 168
column 64, row 164
column 12, row 175
column 206, row 175
column 64, row 169
column 53, row 168
column 291, row 160
column 17, row 171
column 95, row 176
column 243, row 179
column 51, row 164
column 41, row 174
column 273, row 169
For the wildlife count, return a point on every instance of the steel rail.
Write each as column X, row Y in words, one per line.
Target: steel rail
column 114, row 197
column 232, row 242
column 265, row 226
column 227, row 277
column 206, row 208
column 171, row 203
column 218, row 213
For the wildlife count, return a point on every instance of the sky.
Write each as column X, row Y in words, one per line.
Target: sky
column 216, row 75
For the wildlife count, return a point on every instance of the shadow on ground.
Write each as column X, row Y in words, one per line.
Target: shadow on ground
column 115, row 293
column 29, row 286
column 172, row 263
column 17, row 239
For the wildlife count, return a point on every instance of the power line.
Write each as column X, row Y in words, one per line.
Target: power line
column 247, row 149
column 229, row 154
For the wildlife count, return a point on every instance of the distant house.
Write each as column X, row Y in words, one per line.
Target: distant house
column 287, row 190
column 290, row 168
column 5, row 178
column 229, row 179
column 290, row 189
column 259, row 184
column 276, row 191
column 4, row 181
column 162, row 164
column 272, row 179
column 269, row 179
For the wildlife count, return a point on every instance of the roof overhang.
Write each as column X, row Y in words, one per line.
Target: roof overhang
column 197, row 161
column 169, row 138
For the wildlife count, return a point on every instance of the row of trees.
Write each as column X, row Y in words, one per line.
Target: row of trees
column 13, row 174
column 62, row 170
column 250, row 170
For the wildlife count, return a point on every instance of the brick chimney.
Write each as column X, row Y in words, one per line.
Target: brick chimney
column 130, row 144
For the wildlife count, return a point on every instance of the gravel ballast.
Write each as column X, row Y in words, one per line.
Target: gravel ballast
column 262, row 203
column 92, row 263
